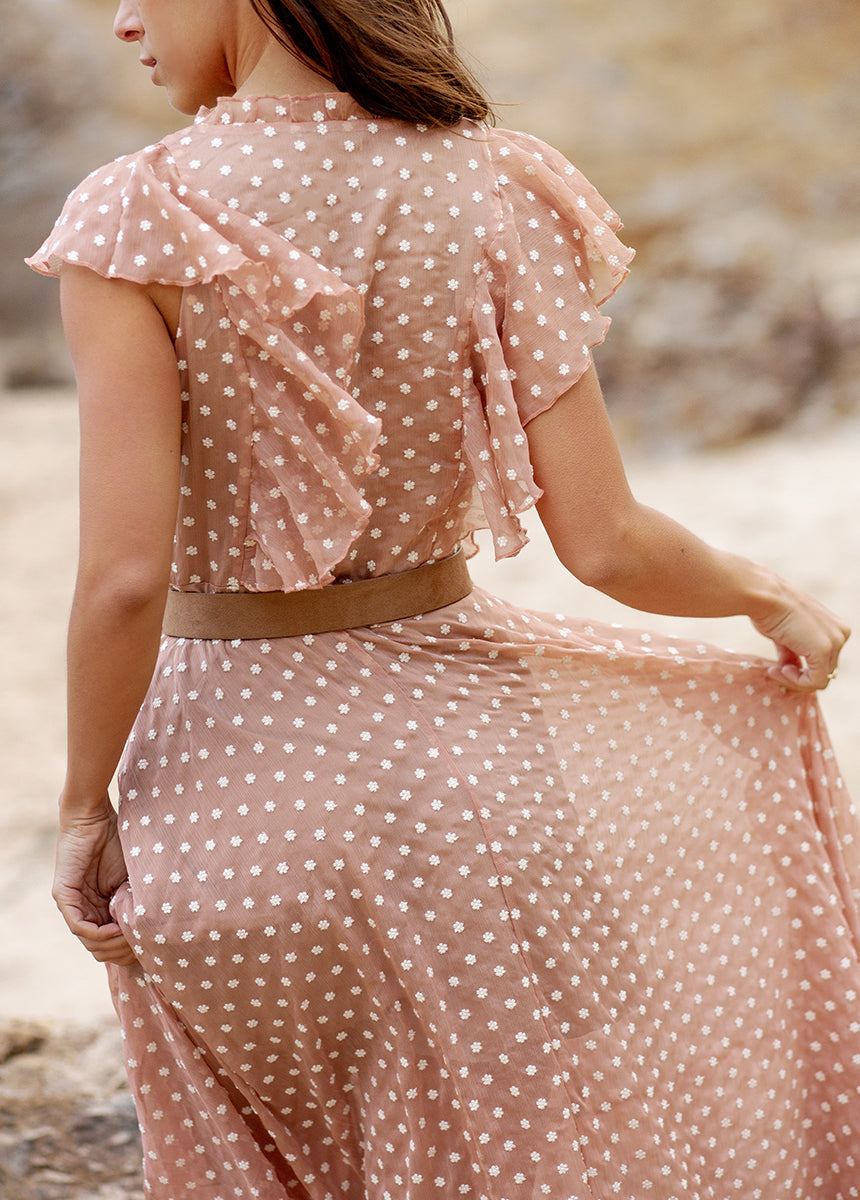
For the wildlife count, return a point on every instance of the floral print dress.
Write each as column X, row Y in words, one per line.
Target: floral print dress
column 485, row 903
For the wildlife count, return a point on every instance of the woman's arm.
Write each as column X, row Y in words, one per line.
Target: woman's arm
column 642, row 558
column 129, row 394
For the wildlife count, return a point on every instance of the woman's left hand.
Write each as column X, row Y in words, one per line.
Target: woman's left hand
column 89, row 869
column 808, row 638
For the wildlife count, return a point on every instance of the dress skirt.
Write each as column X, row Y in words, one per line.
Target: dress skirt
column 488, row 904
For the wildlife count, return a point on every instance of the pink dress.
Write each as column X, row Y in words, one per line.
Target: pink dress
column 487, row 903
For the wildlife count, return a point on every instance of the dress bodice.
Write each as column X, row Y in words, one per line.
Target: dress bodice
column 372, row 313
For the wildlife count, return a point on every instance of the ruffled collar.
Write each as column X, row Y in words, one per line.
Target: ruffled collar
column 318, row 108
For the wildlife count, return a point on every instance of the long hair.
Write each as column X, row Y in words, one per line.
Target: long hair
column 396, row 58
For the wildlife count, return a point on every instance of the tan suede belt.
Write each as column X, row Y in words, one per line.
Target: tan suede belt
column 384, row 598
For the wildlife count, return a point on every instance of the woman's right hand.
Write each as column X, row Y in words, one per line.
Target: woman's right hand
column 808, row 639
column 89, row 869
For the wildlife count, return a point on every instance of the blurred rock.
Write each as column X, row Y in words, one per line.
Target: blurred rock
column 724, row 134
column 56, row 124
column 727, row 335
column 68, row 1130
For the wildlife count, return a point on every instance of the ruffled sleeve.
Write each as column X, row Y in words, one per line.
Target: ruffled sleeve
column 130, row 220
column 298, row 327
column 553, row 260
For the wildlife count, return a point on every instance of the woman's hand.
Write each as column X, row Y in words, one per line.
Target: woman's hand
column 808, row 638
column 90, row 867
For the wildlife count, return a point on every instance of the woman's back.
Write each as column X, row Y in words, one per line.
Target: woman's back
column 371, row 312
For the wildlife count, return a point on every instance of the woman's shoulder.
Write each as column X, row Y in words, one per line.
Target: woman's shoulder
column 518, row 155
column 105, row 221
column 116, row 182
column 117, row 171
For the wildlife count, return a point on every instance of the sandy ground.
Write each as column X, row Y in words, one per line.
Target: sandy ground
column 792, row 501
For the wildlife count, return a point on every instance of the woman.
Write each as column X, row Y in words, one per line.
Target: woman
column 478, row 902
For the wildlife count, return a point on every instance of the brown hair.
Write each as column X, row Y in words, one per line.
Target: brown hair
column 396, row 58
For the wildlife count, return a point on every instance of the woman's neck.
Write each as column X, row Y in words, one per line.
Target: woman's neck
column 274, row 71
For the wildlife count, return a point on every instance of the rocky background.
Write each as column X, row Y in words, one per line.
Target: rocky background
column 67, row 1124
column 726, row 135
